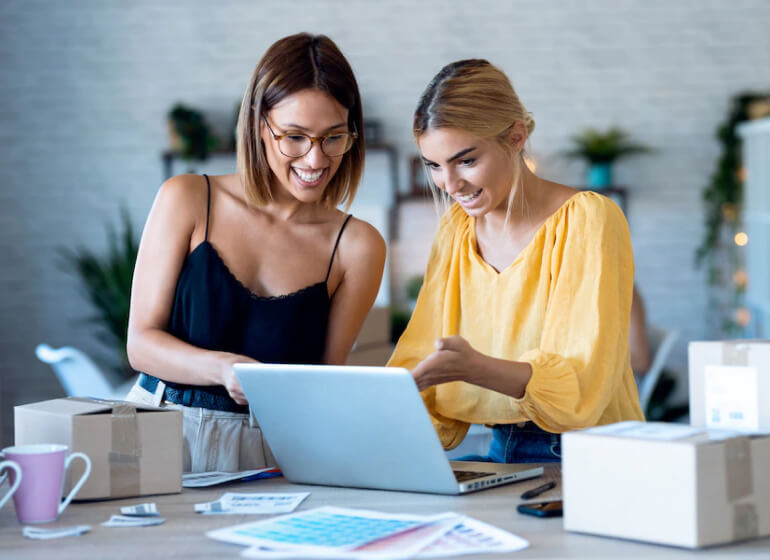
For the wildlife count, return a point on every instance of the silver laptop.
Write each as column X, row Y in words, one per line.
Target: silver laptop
column 364, row 427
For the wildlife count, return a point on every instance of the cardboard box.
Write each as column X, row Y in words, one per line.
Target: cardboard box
column 371, row 355
column 376, row 328
column 729, row 382
column 670, row 484
column 134, row 449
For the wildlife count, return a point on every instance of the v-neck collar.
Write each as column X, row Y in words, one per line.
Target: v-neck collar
column 474, row 245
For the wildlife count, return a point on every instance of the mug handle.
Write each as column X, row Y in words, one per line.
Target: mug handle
column 15, row 467
column 80, row 482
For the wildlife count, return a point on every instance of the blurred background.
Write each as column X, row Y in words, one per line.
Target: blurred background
column 101, row 100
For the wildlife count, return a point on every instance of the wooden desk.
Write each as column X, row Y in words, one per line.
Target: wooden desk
column 182, row 536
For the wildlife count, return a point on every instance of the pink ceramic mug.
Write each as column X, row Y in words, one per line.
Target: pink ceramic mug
column 14, row 484
column 38, row 499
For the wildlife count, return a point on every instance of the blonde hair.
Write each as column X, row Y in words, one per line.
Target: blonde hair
column 291, row 64
column 475, row 96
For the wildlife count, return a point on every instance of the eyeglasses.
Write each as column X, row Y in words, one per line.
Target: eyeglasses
column 297, row 144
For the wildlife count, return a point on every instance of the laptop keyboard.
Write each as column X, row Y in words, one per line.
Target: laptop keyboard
column 462, row 476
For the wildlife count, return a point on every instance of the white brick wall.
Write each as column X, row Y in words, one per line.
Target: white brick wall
column 86, row 86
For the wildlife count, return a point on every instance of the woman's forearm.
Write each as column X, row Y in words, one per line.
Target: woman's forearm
column 456, row 360
column 164, row 356
column 504, row 376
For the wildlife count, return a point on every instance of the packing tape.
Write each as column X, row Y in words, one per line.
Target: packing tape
column 739, row 485
column 125, row 452
column 745, row 522
column 735, row 353
column 738, row 468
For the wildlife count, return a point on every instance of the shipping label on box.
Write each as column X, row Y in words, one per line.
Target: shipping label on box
column 732, row 397
column 134, row 449
column 729, row 383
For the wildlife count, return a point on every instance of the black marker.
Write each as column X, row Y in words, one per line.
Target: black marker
column 529, row 494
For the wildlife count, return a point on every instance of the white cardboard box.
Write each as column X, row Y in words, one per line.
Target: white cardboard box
column 730, row 384
column 134, row 449
column 669, row 484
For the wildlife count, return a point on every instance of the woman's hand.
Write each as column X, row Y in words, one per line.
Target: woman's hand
column 229, row 380
column 454, row 360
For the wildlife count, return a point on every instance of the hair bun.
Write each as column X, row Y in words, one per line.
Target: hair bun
column 529, row 121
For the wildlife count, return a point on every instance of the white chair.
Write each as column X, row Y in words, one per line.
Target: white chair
column 79, row 375
column 661, row 343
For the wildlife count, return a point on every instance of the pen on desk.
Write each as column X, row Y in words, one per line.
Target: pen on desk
column 529, row 494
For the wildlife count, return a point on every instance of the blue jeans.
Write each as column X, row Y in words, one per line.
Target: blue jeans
column 520, row 443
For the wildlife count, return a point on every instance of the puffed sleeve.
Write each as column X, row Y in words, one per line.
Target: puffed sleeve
column 425, row 327
column 583, row 352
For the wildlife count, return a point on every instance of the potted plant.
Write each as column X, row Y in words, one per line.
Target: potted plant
column 399, row 317
column 600, row 149
column 413, row 286
column 106, row 280
column 190, row 135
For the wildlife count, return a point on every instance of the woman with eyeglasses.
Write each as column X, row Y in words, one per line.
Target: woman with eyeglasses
column 259, row 265
column 522, row 321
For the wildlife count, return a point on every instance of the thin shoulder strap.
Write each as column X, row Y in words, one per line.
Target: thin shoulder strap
column 336, row 243
column 208, row 205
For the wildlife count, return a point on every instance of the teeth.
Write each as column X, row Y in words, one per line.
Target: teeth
column 308, row 177
column 468, row 197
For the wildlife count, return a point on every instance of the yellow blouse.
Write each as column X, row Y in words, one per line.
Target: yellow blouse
column 562, row 306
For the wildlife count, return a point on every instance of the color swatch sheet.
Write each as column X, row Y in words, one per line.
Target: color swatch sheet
column 330, row 530
column 343, row 533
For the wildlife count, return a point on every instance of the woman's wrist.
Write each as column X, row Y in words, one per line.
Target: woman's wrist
column 225, row 361
column 504, row 376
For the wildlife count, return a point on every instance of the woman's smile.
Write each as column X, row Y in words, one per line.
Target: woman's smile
column 309, row 177
column 468, row 199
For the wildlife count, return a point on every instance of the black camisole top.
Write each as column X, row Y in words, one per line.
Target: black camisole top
column 213, row 310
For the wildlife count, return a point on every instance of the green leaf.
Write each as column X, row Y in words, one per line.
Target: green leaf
column 597, row 146
column 105, row 280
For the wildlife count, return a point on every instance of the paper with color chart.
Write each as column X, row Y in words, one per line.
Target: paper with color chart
column 472, row 536
column 213, row 478
column 332, row 530
column 463, row 535
column 253, row 503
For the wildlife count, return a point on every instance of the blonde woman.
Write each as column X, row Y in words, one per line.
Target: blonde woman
column 259, row 265
column 522, row 321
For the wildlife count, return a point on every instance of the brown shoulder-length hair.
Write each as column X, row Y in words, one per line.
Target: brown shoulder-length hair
column 291, row 64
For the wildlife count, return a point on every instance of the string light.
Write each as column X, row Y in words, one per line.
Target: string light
column 740, row 278
column 742, row 316
column 741, row 239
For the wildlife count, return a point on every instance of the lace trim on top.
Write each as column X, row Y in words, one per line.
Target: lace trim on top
column 247, row 290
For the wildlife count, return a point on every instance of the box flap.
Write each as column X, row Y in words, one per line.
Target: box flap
column 67, row 407
column 74, row 406
column 663, row 431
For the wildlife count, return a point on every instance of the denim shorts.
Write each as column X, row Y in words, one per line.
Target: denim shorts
column 520, row 443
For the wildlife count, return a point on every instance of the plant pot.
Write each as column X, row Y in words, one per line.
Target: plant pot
column 599, row 176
